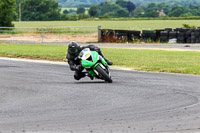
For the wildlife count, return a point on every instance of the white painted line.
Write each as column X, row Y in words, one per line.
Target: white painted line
column 32, row 60
column 65, row 63
column 52, row 62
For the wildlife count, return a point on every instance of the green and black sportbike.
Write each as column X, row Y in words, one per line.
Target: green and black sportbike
column 95, row 65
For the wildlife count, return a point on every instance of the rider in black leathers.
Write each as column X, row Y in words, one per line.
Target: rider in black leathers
column 72, row 57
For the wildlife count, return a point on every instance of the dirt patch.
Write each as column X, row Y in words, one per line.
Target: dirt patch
column 51, row 37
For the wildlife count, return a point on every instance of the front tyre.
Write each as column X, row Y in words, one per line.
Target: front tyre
column 103, row 74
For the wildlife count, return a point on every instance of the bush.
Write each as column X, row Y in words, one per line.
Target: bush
column 189, row 26
column 105, row 16
column 82, row 16
column 7, row 11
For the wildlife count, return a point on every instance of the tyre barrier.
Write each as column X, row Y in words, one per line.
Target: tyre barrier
column 149, row 35
column 108, row 35
column 164, row 36
column 181, row 35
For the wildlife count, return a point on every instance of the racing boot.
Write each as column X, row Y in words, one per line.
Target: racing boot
column 91, row 77
column 108, row 62
column 78, row 75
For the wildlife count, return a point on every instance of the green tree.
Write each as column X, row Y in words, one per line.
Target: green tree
column 151, row 10
column 177, row 11
column 188, row 14
column 164, row 7
column 40, row 10
column 113, row 10
column 80, row 10
column 127, row 5
column 194, row 10
column 121, row 3
column 65, row 11
column 121, row 13
column 93, row 10
column 130, row 7
column 7, row 8
column 138, row 12
column 72, row 11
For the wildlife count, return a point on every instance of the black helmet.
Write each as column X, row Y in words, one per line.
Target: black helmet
column 73, row 47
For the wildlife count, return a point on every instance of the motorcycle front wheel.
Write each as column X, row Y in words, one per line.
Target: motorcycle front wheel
column 105, row 75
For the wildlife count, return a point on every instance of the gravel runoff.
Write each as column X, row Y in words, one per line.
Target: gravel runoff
column 42, row 97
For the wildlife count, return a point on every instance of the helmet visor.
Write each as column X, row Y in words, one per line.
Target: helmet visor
column 73, row 50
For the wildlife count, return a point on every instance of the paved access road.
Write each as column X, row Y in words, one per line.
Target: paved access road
column 177, row 46
column 44, row 98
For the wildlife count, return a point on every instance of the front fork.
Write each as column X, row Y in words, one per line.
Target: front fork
column 103, row 65
column 103, row 60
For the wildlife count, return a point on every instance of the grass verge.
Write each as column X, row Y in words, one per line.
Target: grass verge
column 122, row 24
column 187, row 62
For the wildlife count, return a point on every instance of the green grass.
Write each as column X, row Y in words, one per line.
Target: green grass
column 156, row 60
column 33, row 51
column 125, row 25
column 145, row 60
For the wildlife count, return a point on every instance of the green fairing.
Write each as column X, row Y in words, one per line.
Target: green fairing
column 104, row 62
column 86, row 63
column 92, row 73
column 95, row 56
column 96, row 65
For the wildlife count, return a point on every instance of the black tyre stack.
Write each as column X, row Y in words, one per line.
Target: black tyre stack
column 121, row 35
column 164, row 36
column 197, row 35
column 130, row 35
column 193, row 37
column 188, row 35
column 149, row 35
column 168, row 29
column 133, row 35
column 158, row 34
column 182, row 35
column 172, row 34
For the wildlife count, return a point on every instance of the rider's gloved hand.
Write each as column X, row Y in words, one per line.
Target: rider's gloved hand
column 73, row 68
column 78, row 67
column 109, row 62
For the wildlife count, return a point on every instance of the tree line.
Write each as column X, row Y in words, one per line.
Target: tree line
column 165, row 10
column 49, row 10
column 88, row 3
column 124, row 8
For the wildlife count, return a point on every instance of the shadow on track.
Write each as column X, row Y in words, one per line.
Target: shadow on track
column 9, row 66
column 91, row 82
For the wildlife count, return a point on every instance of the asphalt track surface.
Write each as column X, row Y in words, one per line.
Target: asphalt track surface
column 44, row 98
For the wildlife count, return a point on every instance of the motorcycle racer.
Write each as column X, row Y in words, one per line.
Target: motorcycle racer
column 74, row 62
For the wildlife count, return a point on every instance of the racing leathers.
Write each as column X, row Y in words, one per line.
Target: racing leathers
column 74, row 61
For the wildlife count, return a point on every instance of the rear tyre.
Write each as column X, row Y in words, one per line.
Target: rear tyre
column 103, row 74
